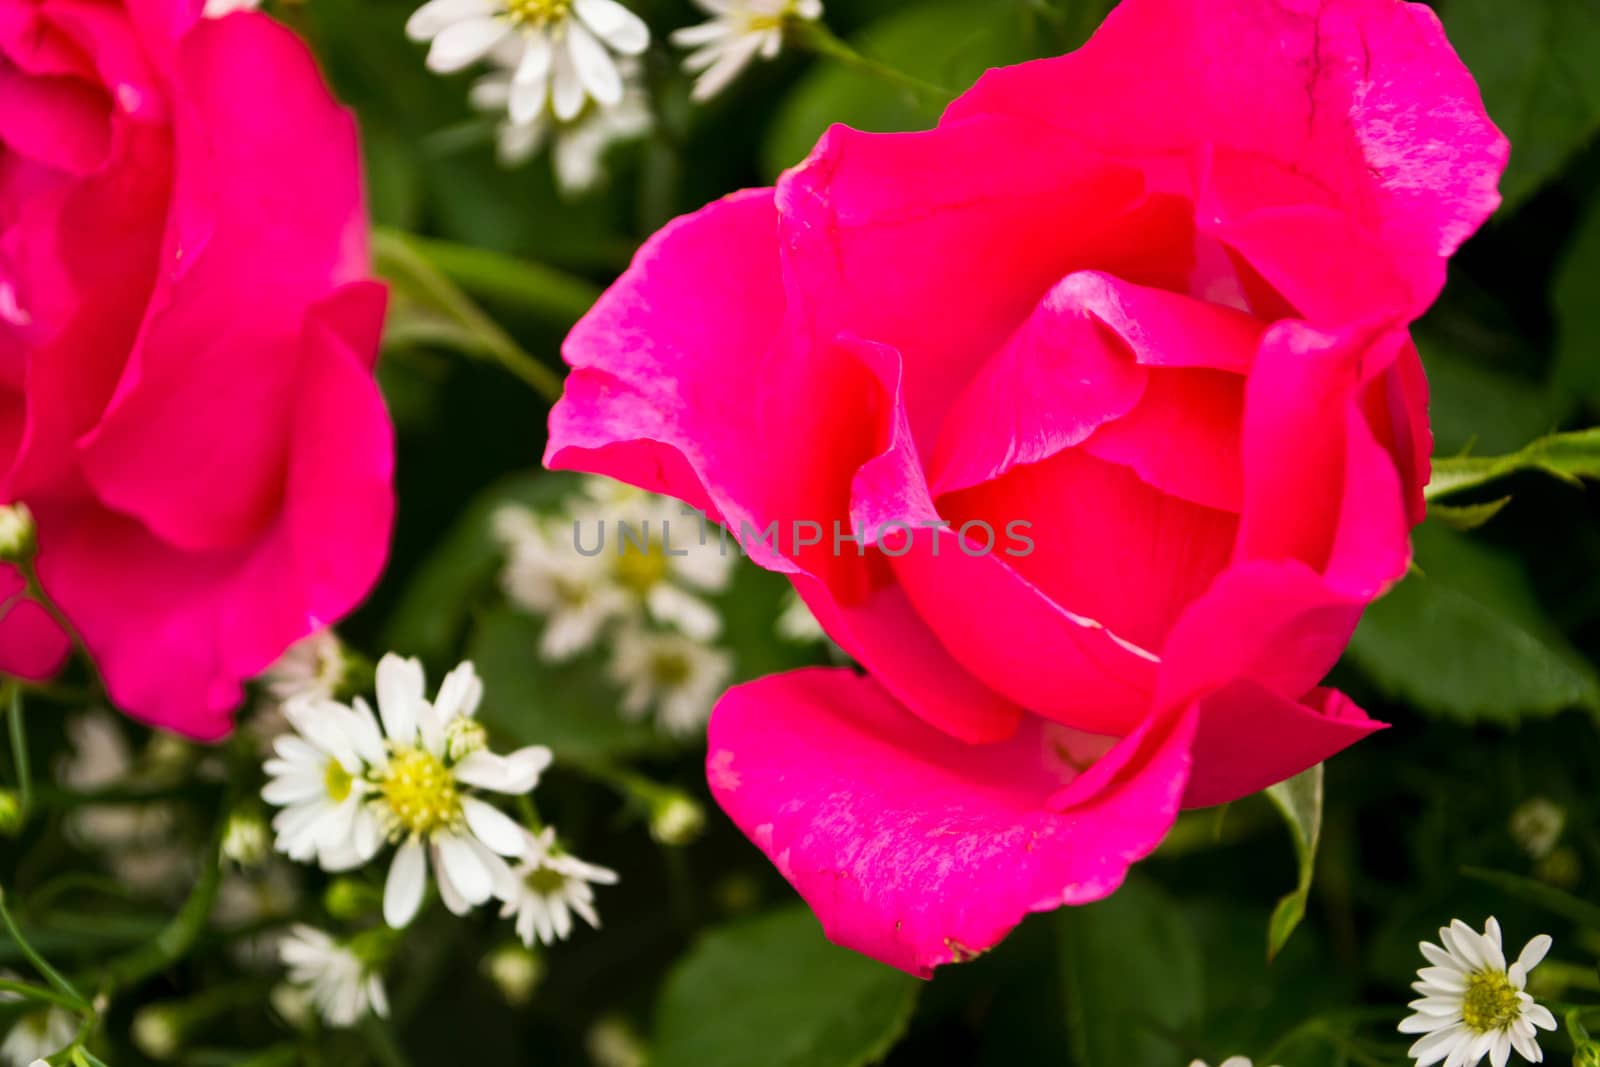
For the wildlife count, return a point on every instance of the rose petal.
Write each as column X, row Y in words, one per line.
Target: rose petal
column 912, row 847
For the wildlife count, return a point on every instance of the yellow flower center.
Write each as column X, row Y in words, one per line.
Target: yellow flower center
column 545, row 882
column 669, row 669
column 1490, row 1003
column 337, row 781
column 538, row 13
column 420, row 792
column 640, row 569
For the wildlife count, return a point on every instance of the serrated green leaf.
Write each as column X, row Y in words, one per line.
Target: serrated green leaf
column 1299, row 800
column 1568, row 456
column 1468, row 516
column 1535, row 64
column 772, row 991
column 1132, row 974
column 568, row 706
column 1467, row 640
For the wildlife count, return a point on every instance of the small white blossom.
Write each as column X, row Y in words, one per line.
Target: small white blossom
column 1536, row 826
column 343, row 986
column 1472, row 1004
column 425, row 795
column 314, row 666
column 37, row 1035
column 1231, row 1061
column 679, row 678
column 561, row 52
column 318, row 776
column 578, row 146
column 546, row 576
column 737, row 32
column 550, row 886
column 617, row 555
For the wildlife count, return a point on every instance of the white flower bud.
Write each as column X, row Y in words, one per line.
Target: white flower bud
column 17, row 533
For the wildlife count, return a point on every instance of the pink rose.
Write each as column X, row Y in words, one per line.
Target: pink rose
column 186, row 348
column 1150, row 298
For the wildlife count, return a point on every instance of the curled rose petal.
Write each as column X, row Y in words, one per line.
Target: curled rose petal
column 913, row 847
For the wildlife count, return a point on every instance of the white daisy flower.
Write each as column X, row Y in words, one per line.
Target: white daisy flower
column 549, row 886
column 423, row 784
column 678, row 677
column 314, row 666
column 560, row 51
column 343, row 985
column 545, row 576
column 1472, row 1004
column 37, row 1035
column 670, row 557
column 737, row 32
column 318, row 776
column 578, row 147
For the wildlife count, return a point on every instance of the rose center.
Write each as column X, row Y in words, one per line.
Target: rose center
column 1490, row 1003
column 538, row 13
column 420, row 792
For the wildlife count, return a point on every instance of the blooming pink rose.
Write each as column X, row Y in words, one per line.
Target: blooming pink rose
column 1150, row 298
column 186, row 347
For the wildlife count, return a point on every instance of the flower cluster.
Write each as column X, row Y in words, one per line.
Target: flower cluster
column 567, row 72
column 417, row 775
column 634, row 571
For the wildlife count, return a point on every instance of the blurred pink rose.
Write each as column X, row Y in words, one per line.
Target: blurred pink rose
column 186, row 347
column 1150, row 298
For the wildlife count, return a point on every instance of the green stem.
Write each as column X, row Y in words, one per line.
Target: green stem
column 401, row 259
column 40, row 964
column 542, row 291
column 28, row 991
column 19, row 750
column 381, row 1040
column 174, row 942
column 824, row 42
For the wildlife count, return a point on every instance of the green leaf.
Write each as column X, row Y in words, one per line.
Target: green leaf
column 1577, row 314
column 433, row 610
column 568, row 706
column 1467, row 640
column 1467, row 516
column 1568, row 456
column 1535, row 64
column 1539, row 894
column 1132, row 974
column 772, row 991
column 1300, row 801
column 947, row 44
